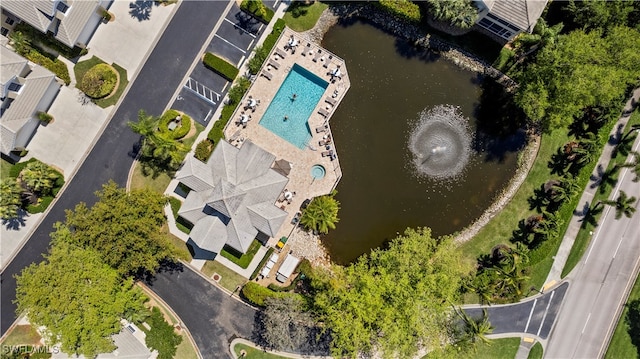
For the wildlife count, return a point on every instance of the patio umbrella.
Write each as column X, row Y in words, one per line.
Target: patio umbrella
column 283, row 167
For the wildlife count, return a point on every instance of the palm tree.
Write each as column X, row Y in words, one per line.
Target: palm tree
column 39, row 177
column 19, row 42
column 608, row 178
column 321, row 214
column 590, row 215
column 623, row 205
column 459, row 13
column 10, row 198
column 155, row 147
column 475, row 329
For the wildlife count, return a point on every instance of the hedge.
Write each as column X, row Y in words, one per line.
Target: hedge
column 204, row 150
column 405, row 9
column 56, row 66
column 220, row 66
column 36, row 37
column 235, row 95
column 258, row 9
column 256, row 294
column 179, row 132
column 262, row 263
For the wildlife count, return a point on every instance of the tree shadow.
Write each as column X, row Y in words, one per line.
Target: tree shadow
column 539, row 199
column 166, row 266
column 14, row 224
column 247, row 23
column 141, row 9
column 409, row 50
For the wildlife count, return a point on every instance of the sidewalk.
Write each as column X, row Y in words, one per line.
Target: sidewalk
column 66, row 141
column 560, row 258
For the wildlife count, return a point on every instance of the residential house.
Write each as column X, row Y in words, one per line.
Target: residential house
column 232, row 198
column 508, row 18
column 72, row 22
column 27, row 89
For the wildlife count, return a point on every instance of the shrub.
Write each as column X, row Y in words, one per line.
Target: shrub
column 162, row 337
column 220, row 66
column 405, row 9
column 238, row 90
column 235, row 96
column 99, row 81
column 257, row 294
column 259, row 56
column 106, row 16
column 56, row 66
column 48, row 41
column 178, row 132
column 258, row 9
column 45, row 117
column 204, row 149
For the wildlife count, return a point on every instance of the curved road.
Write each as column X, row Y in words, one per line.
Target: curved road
column 111, row 159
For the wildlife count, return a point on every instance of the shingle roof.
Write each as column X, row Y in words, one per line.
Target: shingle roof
column 196, row 175
column 12, row 65
column 22, row 109
column 521, row 13
column 38, row 13
column 245, row 189
column 75, row 20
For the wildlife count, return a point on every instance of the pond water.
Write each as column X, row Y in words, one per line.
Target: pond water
column 380, row 192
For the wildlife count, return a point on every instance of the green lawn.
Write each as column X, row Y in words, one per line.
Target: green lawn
column 621, row 345
column 230, row 279
column 5, row 167
column 180, row 247
column 22, row 334
column 300, row 17
column 254, row 353
column 504, row 348
column 584, row 237
column 186, row 349
column 242, row 260
column 82, row 67
column 536, row 351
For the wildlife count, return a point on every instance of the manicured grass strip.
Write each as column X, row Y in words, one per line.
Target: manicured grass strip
column 242, row 260
column 181, row 250
column 254, row 353
column 180, row 223
column 5, row 168
column 220, row 66
column 505, row 348
column 22, row 334
column 535, row 352
column 157, row 182
column 627, row 331
column 230, row 279
column 262, row 263
column 302, row 17
column 584, row 235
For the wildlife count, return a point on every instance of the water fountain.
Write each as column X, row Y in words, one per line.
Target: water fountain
column 441, row 143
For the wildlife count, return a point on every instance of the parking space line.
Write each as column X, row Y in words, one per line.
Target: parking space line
column 228, row 42
column 204, row 93
column 238, row 27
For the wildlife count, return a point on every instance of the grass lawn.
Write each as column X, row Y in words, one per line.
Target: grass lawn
column 5, row 167
column 300, row 17
column 536, row 351
column 504, row 348
column 82, row 67
column 229, row 279
column 180, row 247
column 22, row 334
column 254, row 353
column 175, row 207
column 584, row 237
column 185, row 349
column 242, row 260
column 621, row 345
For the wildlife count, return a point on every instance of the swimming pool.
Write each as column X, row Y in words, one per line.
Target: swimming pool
column 288, row 113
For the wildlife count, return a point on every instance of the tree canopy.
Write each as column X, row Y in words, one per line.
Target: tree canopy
column 392, row 300
column 10, row 198
column 580, row 70
column 321, row 214
column 76, row 297
column 459, row 13
column 125, row 228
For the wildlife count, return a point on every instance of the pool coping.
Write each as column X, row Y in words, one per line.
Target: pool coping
column 265, row 85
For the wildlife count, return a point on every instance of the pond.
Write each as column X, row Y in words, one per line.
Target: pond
column 380, row 192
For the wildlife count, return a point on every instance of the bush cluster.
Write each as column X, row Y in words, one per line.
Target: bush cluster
column 235, row 96
column 220, row 66
column 258, row 9
column 257, row 294
column 178, row 132
column 49, row 41
column 56, row 66
column 44, row 202
column 405, row 9
column 99, row 81
column 204, row 149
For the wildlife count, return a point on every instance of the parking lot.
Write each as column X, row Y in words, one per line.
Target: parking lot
column 234, row 40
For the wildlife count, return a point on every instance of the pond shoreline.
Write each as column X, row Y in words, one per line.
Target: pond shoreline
column 312, row 246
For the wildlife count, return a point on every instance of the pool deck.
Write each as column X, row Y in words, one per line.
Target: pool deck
column 320, row 62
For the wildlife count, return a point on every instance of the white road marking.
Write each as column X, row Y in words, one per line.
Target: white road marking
column 544, row 316
column 530, row 314
column 618, row 247
column 228, row 42
column 585, row 323
column 238, row 27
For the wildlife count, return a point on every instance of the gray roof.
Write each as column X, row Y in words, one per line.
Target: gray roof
column 242, row 201
column 12, row 65
column 127, row 346
column 41, row 13
column 18, row 111
column 196, row 175
column 522, row 13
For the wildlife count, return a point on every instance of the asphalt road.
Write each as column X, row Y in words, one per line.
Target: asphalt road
column 600, row 283
column 212, row 317
column 534, row 316
column 113, row 154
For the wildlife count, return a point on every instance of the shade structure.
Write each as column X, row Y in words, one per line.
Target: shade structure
column 282, row 166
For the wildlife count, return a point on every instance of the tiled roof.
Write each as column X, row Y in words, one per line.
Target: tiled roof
column 242, row 201
column 12, row 65
column 521, row 13
column 196, row 175
column 38, row 13
column 75, row 20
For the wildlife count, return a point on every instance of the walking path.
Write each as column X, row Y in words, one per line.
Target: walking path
column 560, row 258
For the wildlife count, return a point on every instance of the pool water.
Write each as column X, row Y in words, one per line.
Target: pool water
column 287, row 115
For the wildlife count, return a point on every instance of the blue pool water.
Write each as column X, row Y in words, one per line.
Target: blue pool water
column 308, row 89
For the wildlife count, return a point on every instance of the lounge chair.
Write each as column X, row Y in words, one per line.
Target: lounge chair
column 324, row 142
column 321, row 129
column 280, row 53
column 323, row 112
column 330, row 101
column 266, row 74
column 327, row 153
column 307, row 49
column 318, row 55
column 274, row 64
column 326, row 63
